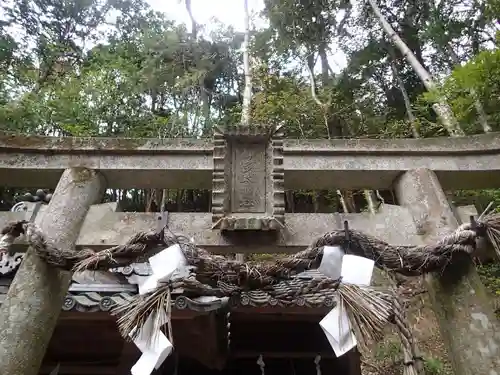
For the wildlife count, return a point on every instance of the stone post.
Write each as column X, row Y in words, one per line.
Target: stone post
column 467, row 322
column 31, row 309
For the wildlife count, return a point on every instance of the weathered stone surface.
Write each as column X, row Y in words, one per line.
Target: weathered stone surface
column 467, row 322
column 220, row 180
column 460, row 163
column 96, row 213
column 167, row 163
column 465, row 212
column 248, row 179
column 30, row 311
column 393, row 224
column 107, row 228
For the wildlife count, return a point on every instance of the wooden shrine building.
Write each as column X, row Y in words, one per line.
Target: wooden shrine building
column 211, row 335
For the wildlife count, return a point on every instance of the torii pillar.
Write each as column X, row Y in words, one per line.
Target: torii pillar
column 31, row 309
column 466, row 318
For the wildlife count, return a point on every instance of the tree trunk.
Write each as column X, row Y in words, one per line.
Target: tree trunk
column 35, row 297
column 325, row 108
column 194, row 25
column 247, row 93
column 325, row 75
column 204, row 95
column 310, row 63
column 441, row 108
column 333, row 121
column 347, row 201
column 205, row 103
column 406, row 98
column 343, row 203
column 370, row 200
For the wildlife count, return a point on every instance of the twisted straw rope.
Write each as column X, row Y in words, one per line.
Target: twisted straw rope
column 141, row 246
column 213, row 269
column 413, row 364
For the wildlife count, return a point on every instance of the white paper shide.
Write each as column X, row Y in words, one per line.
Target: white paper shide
column 353, row 270
column 155, row 348
column 153, row 344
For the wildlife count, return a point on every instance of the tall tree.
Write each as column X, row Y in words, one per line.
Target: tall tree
column 247, row 68
column 443, row 29
column 442, row 108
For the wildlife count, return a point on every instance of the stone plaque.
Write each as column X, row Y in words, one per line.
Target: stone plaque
column 249, row 178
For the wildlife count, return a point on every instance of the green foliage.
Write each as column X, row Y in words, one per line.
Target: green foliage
column 479, row 79
column 142, row 80
column 307, row 22
column 434, row 366
column 118, row 68
column 389, row 350
column 286, row 100
column 479, row 198
column 490, row 275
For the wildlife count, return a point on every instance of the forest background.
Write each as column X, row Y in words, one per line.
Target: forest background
column 320, row 69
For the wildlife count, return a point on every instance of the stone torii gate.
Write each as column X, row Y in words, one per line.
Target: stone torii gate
column 248, row 170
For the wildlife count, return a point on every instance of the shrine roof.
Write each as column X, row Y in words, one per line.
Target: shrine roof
column 95, row 296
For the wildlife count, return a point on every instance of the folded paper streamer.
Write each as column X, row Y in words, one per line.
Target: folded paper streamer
column 163, row 266
column 331, row 264
column 153, row 344
column 155, row 348
column 353, row 270
column 338, row 330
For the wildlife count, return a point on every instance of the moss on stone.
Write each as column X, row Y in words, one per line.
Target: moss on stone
column 96, row 143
